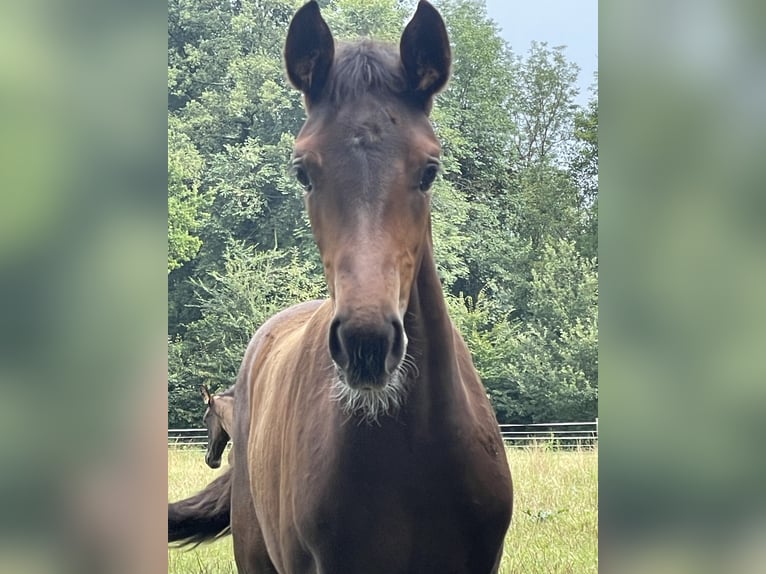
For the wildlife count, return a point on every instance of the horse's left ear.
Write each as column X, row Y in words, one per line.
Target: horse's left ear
column 206, row 398
column 309, row 51
column 425, row 52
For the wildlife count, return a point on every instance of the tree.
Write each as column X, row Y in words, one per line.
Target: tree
column 379, row 19
column 542, row 102
column 185, row 203
column 544, row 368
column 553, row 361
column 584, row 170
column 474, row 125
column 232, row 304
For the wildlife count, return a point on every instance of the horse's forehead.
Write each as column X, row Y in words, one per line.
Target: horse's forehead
column 365, row 125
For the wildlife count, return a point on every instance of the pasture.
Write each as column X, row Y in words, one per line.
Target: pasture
column 555, row 517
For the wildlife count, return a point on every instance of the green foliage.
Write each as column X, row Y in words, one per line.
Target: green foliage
column 185, row 203
column 254, row 285
column 449, row 214
column 378, row 19
column 554, row 368
column 232, row 304
column 514, row 213
column 489, row 333
column 184, row 410
column 584, row 170
column 542, row 102
column 544, row 204
column 472, row 118
column 543, row 368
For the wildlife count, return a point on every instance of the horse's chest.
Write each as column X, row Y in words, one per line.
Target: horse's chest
column 409, row 515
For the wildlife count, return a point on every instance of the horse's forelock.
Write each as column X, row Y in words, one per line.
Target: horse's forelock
column 365, row 67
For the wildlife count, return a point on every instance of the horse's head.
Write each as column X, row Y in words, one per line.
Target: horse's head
column 366, row 157
column 217, row 422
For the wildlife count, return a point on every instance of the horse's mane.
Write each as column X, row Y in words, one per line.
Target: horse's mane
column 362, row 67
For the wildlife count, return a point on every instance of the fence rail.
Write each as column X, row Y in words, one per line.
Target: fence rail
column 188, row 438
column 556, row 435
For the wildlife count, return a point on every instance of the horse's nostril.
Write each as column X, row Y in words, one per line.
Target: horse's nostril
column 337, row 349
column 367, row 352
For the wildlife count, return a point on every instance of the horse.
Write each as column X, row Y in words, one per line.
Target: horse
column 218, row 420
column 364, row 439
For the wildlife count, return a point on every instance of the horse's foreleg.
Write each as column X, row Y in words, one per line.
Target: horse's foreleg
column 250, row 551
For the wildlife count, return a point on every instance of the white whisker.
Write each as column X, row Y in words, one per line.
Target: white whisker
column 371, row 404
column 408, row 365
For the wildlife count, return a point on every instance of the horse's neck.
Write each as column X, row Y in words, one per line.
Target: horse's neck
column 428, row 309
column 438, row 388
column 226, row 415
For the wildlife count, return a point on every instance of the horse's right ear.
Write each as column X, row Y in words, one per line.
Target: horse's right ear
column 309, row 51
column 205, row 394
column 425, row 52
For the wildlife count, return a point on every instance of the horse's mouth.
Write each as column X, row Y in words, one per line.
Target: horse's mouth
column 370, row 399
column 362, row 382
column 368, row 386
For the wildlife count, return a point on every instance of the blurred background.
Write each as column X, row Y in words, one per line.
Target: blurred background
column 82, row 286
column 683, row 270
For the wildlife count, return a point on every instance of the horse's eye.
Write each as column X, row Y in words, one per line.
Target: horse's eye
column 428, row 177
column 302, row 177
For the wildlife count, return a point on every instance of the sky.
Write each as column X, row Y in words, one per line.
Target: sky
column 570, row 23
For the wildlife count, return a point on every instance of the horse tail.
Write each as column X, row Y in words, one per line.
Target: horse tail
column 204, row 516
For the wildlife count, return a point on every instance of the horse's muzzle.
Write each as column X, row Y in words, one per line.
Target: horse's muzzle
column 367, row 354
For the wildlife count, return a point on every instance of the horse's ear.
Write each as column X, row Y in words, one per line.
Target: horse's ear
column 309, row 51
column 205, row 394
column 425, row 52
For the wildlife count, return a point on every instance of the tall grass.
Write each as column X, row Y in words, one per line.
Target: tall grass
column 555, row 517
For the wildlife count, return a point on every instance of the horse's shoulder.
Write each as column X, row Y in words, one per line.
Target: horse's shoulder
column 292, row 316
column 282, row 323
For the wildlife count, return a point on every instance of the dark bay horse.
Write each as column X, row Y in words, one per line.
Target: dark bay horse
column 364, row 440
column 219, row 422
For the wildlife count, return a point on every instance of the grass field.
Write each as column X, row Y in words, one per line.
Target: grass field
column 554, row 528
